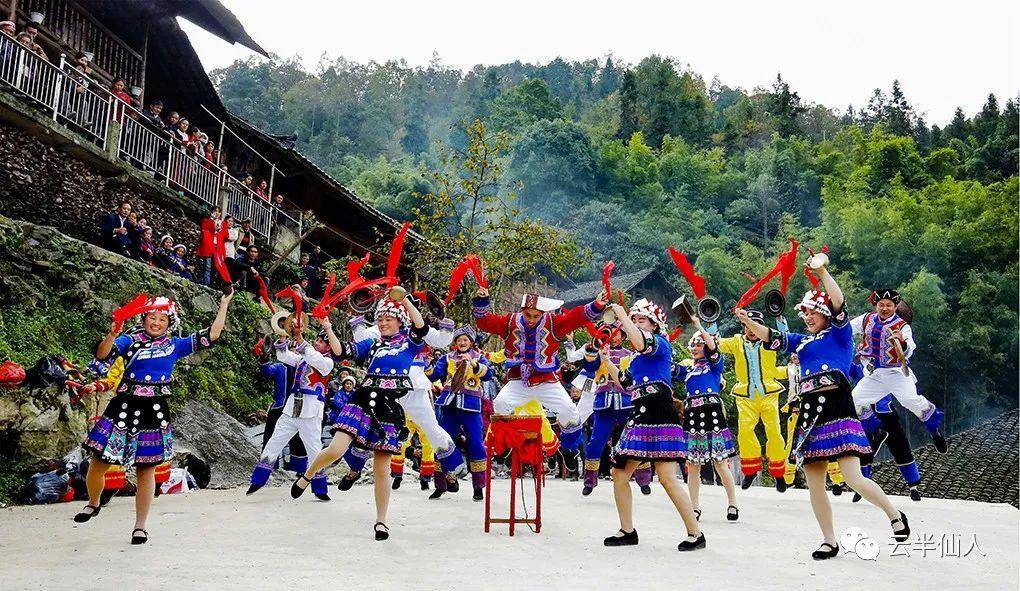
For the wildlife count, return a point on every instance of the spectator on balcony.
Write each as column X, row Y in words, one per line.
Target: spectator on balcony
column 26, row 40
column 230, row 242
column 180, row 263
column 317, row 258
column 181, row 131
column 209, row 155
column 7, row 34
column 210, row 226
column 152, row 114
column 263, row 190
column 247, row 269
column 115, row 230
column 117, row 90
column 170, row 125
column 163, row 258
column 146, row 248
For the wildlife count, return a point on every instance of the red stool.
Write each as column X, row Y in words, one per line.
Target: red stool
column 521, row 435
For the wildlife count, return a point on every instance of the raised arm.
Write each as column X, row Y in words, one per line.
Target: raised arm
column 106, row 345
column 760, row 330
column 485, row 320
column 831, row 287
column 634, row 334
column 221, row 316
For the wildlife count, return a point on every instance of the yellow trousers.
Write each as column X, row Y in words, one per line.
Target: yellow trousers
column 749, row 412
column 428, row 454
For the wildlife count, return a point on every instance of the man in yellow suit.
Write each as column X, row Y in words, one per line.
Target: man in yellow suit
column 756, row 394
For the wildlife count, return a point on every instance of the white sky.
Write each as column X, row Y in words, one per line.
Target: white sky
column 945, row 54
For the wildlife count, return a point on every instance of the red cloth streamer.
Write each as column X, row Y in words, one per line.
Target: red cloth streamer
column 220, row 253
column 606, row 272
column 676, row 334
column 470, row 263
column 397, row 250
column 288, row 292
column 354, row 268
column 264, row 293
column 328, row 301
column 477, row 271
column 697, row 282
column 141, row 304
column 507, row 436
column 786, row 264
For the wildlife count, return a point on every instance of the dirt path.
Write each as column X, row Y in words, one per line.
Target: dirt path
column 223, row 540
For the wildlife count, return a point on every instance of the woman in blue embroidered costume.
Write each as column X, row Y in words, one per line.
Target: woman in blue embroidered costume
column 653, row 432
column 708, row 436
column 135, row 428
column 373, row 418
column 827, row 428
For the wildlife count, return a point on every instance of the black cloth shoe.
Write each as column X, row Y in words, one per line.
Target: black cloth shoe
column 478, row 495
column 396, row 482
column 732, row 513
column 857, row 497
column 436, row 494
column 381, row 531
column 295, row 490
column 901, row 535
column 941, row 445
column 689, row 544
column 424, row 484
column 627, row 539
column 453, row 485
column 646, row 489
column 837, row 489
column 586, row 490
column 748, row 481
column 825, row 551
column 781, row 485
column 346, row 483
column 915, row 495
column 252, row 488
column 139, row 539
column 322, row 497
column 87, row 513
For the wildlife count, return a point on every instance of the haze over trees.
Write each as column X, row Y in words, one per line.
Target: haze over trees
column 631, row 158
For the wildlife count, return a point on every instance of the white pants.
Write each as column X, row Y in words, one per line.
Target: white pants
column 552, row 395
column 308, row 428
column 585, row 408
column 418, row 407
column 890, row 380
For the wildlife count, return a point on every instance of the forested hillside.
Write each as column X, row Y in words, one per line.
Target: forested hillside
column 632, row 158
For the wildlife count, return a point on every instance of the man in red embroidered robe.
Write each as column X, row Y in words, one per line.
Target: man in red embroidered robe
column 531, row 340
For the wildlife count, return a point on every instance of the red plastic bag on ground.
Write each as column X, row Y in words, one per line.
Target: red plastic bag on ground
column 11, row 374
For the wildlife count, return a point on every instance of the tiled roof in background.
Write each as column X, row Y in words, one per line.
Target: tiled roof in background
column 982, row 465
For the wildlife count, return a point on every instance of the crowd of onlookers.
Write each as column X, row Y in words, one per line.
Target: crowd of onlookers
column 129, row 233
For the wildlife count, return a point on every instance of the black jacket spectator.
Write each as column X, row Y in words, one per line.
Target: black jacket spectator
column 247, row 267
column 115, row 230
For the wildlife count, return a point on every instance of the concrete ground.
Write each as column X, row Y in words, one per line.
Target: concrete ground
column 224, row 540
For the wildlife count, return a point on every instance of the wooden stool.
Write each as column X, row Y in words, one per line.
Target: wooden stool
column 521, row 436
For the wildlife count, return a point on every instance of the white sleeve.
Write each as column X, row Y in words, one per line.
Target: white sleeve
column 438, row 338
column 908, row 336
column 288, row 357
column 574, row 355
column 321, row 363
column 362, row 332
column 857, row 324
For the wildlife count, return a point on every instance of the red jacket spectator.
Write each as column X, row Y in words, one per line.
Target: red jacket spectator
column 205, row 243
